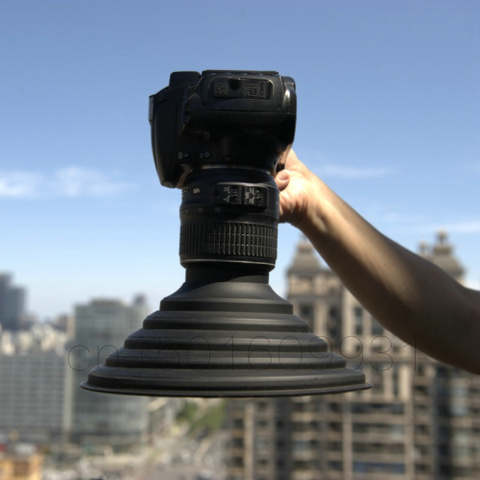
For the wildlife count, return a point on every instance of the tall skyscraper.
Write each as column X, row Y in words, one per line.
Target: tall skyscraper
column 12, row 304
column 421, row 420
column 100, row 328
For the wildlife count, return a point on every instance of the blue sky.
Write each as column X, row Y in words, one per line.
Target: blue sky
column 388, row 115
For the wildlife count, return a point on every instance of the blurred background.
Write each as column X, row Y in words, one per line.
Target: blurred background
column 388, row 116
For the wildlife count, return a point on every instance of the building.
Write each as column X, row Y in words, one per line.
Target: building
column 35, row 396
column 35, row 402
column 21, row 463
column 12, row 304
column 421, row 419
column 21, row 467
column 100, row 328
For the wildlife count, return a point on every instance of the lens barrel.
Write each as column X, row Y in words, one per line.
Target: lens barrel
column 229, row 215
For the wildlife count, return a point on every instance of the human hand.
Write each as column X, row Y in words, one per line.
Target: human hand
column 297, row 190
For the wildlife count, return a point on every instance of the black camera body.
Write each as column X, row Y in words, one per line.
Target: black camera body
column 221, row 135
column 221, row 117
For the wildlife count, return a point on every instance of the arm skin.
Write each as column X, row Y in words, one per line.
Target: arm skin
column 407, row 294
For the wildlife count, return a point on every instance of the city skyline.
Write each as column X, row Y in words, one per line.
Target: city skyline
column 388, row 115
column 419, row 420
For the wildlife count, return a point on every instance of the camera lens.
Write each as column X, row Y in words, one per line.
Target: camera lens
column 229, row 215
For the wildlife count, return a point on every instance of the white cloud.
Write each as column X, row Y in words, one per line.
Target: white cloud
column 76, row 181
column 64, row 182
column 19, row 184
column 346, row 172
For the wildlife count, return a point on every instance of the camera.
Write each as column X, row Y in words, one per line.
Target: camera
column 221, row 117
column 221, row 134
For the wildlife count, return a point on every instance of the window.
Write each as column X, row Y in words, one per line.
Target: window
column 358, row 320
column 376, row 328
column 338, row 466
column 306, row 312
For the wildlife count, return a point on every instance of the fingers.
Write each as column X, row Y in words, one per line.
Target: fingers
column 283, row 179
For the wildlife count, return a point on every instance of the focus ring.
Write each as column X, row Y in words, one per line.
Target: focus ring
column 228, row 241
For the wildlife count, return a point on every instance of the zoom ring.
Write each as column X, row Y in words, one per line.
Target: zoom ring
column 251, row 242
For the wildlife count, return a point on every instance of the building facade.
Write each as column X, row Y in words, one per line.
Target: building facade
column 100, row 329
column 35, row 402
column 12, row 304
column 421, row 419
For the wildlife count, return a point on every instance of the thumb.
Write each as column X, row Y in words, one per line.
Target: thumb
column 282, row 178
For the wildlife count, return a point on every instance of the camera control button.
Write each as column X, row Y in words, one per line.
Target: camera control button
column 225, row 194
column 240, row 195
column 255, row 196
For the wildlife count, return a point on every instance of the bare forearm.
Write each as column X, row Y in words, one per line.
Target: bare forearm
column 407, row 294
